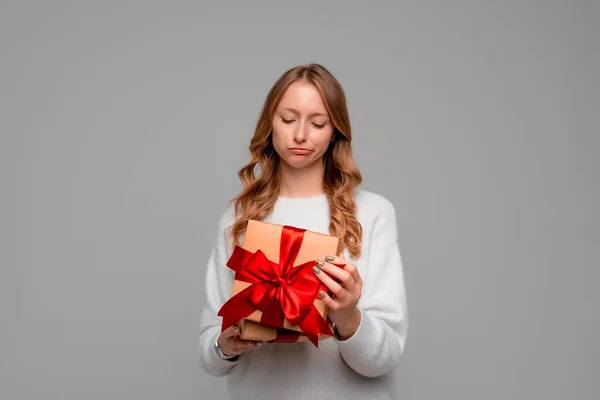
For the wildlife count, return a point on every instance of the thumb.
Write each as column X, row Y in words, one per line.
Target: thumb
column 231, row 331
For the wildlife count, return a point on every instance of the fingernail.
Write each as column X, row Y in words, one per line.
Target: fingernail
column 316, row 270
column 237, row 330
column 322, row 294
column 329, row 258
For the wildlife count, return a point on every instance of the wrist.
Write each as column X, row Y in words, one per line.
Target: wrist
column 223, row 346
column 223, row 351
column 348, row 326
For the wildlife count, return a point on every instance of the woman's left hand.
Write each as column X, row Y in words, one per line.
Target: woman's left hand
column 343, row 311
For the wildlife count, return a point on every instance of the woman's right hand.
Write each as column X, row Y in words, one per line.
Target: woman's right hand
column 231, row 344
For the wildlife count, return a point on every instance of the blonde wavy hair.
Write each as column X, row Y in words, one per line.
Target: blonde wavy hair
column 261, row 177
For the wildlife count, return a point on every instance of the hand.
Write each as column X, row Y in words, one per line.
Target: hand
column 230, row 342
column 346, row 286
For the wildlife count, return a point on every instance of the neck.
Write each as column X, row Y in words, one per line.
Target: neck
column 301, row 182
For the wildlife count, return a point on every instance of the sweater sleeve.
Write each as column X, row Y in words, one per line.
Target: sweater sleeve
column 376, row 346
column 218, row 283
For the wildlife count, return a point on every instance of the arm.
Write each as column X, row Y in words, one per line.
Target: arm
column 377, row 344
column 218, row 283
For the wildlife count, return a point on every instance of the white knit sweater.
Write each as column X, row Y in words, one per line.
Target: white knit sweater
column 352, row 369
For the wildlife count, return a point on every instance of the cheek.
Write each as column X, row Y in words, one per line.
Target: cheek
column 324, row 141
column 278, row 135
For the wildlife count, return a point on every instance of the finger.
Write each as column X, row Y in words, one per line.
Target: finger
column 331, row 284
column 329, row 302
column 336, row 260
column 351, row 268
column 238, row 341
column 340, row 274
column 231, row 331
column 237, row 348
column 353, row 271
column 241, row 344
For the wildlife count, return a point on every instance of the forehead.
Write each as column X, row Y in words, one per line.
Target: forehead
column 303, row 97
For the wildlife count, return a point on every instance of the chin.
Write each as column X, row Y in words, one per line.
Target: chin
column 297, row 164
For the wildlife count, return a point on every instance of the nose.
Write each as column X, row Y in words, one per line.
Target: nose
column 300, row 134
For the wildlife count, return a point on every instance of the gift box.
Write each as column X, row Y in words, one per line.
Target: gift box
column 275, row 291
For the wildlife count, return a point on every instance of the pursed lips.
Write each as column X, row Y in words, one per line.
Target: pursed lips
column 300, row 150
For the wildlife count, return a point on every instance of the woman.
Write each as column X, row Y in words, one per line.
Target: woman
column 308, row 179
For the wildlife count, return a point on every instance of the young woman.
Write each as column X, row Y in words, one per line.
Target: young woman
column 307, row 178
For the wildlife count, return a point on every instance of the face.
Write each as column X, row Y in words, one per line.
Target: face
column 302, row 129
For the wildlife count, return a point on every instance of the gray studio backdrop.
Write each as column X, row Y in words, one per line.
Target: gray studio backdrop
column 123, row 125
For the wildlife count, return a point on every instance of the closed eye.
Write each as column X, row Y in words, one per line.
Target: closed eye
column 319, row 126
column 287, row 121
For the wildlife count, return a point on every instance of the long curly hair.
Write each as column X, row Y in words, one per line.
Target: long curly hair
column 261, row 176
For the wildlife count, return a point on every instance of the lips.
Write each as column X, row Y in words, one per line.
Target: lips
column 300, row 151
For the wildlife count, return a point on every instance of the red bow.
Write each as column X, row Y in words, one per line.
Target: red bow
column 277, row 289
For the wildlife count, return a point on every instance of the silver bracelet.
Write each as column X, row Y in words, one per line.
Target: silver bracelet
column 222, row 355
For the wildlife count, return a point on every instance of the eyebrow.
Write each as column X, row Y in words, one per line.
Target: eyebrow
column 311, row 115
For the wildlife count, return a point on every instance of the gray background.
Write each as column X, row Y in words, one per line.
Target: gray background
column 124, row 123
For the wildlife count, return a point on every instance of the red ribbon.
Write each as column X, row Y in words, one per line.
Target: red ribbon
column 279, row 290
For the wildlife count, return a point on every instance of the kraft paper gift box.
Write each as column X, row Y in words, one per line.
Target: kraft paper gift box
column 269, row 239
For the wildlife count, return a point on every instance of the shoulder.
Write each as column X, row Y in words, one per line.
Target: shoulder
column 377, row 216
column 226, row 221
column 370, row 205
column 227, row 217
